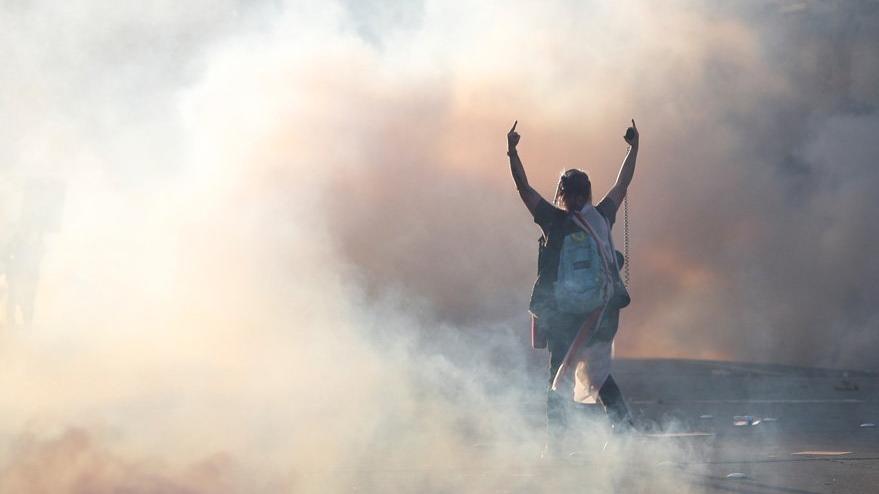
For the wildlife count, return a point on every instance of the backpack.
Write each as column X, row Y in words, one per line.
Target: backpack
column 578, row 287
column 580, row 292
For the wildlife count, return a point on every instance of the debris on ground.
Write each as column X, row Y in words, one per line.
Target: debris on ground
column 845, row 384
column 745, row 420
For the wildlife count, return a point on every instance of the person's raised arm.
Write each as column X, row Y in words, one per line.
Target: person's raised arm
column 529, row 196
column 627, row 170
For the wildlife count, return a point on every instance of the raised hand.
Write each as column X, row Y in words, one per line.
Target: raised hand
column 513, row 137
column 631, row 136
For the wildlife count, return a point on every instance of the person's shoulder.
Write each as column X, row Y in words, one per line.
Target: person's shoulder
column 555, row 209
column 608, row 208
column 546, row 213
column 607, row 203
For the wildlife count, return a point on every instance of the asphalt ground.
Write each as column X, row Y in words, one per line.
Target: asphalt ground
column 810, row 429
column 819, row 441
column 805, row 437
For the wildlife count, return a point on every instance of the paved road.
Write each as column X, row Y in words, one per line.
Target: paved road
column 817, row 411
column 814, row 441
column 811, row 443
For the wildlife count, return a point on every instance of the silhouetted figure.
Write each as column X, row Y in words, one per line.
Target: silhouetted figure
column 22, row 257
column 40, row 213
column 578, row 294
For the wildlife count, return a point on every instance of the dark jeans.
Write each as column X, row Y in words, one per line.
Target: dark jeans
column 559, row 340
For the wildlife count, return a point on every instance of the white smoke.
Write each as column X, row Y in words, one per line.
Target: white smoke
column 290, row 256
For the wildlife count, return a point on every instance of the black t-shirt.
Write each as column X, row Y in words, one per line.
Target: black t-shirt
column 556, row 224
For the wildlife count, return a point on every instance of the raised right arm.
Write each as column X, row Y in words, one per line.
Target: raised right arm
column 529, row 196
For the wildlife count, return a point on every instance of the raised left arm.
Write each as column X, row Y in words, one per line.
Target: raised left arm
column 627, row 170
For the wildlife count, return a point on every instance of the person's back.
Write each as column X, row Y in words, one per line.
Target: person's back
column 576, row 299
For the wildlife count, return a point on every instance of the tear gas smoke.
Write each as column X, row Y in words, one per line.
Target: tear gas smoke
column 290, row 255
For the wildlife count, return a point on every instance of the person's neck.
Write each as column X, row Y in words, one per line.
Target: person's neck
column 587, row 202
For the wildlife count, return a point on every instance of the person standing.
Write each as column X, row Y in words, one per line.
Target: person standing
column 22, row 258
column 578, row 294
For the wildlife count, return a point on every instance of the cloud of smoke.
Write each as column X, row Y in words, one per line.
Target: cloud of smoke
column 742, row 111
column 290, row 254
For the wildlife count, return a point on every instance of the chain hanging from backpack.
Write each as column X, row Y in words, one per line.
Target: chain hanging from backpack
column 626, row 264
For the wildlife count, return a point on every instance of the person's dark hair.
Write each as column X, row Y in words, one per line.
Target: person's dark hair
column 572, row 183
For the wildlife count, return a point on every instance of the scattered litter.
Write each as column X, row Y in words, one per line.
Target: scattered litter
column 822, row 453
column 745, row 420
column 706, row 417
column 868, row 425
column 846, row 385
column 736, row 475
